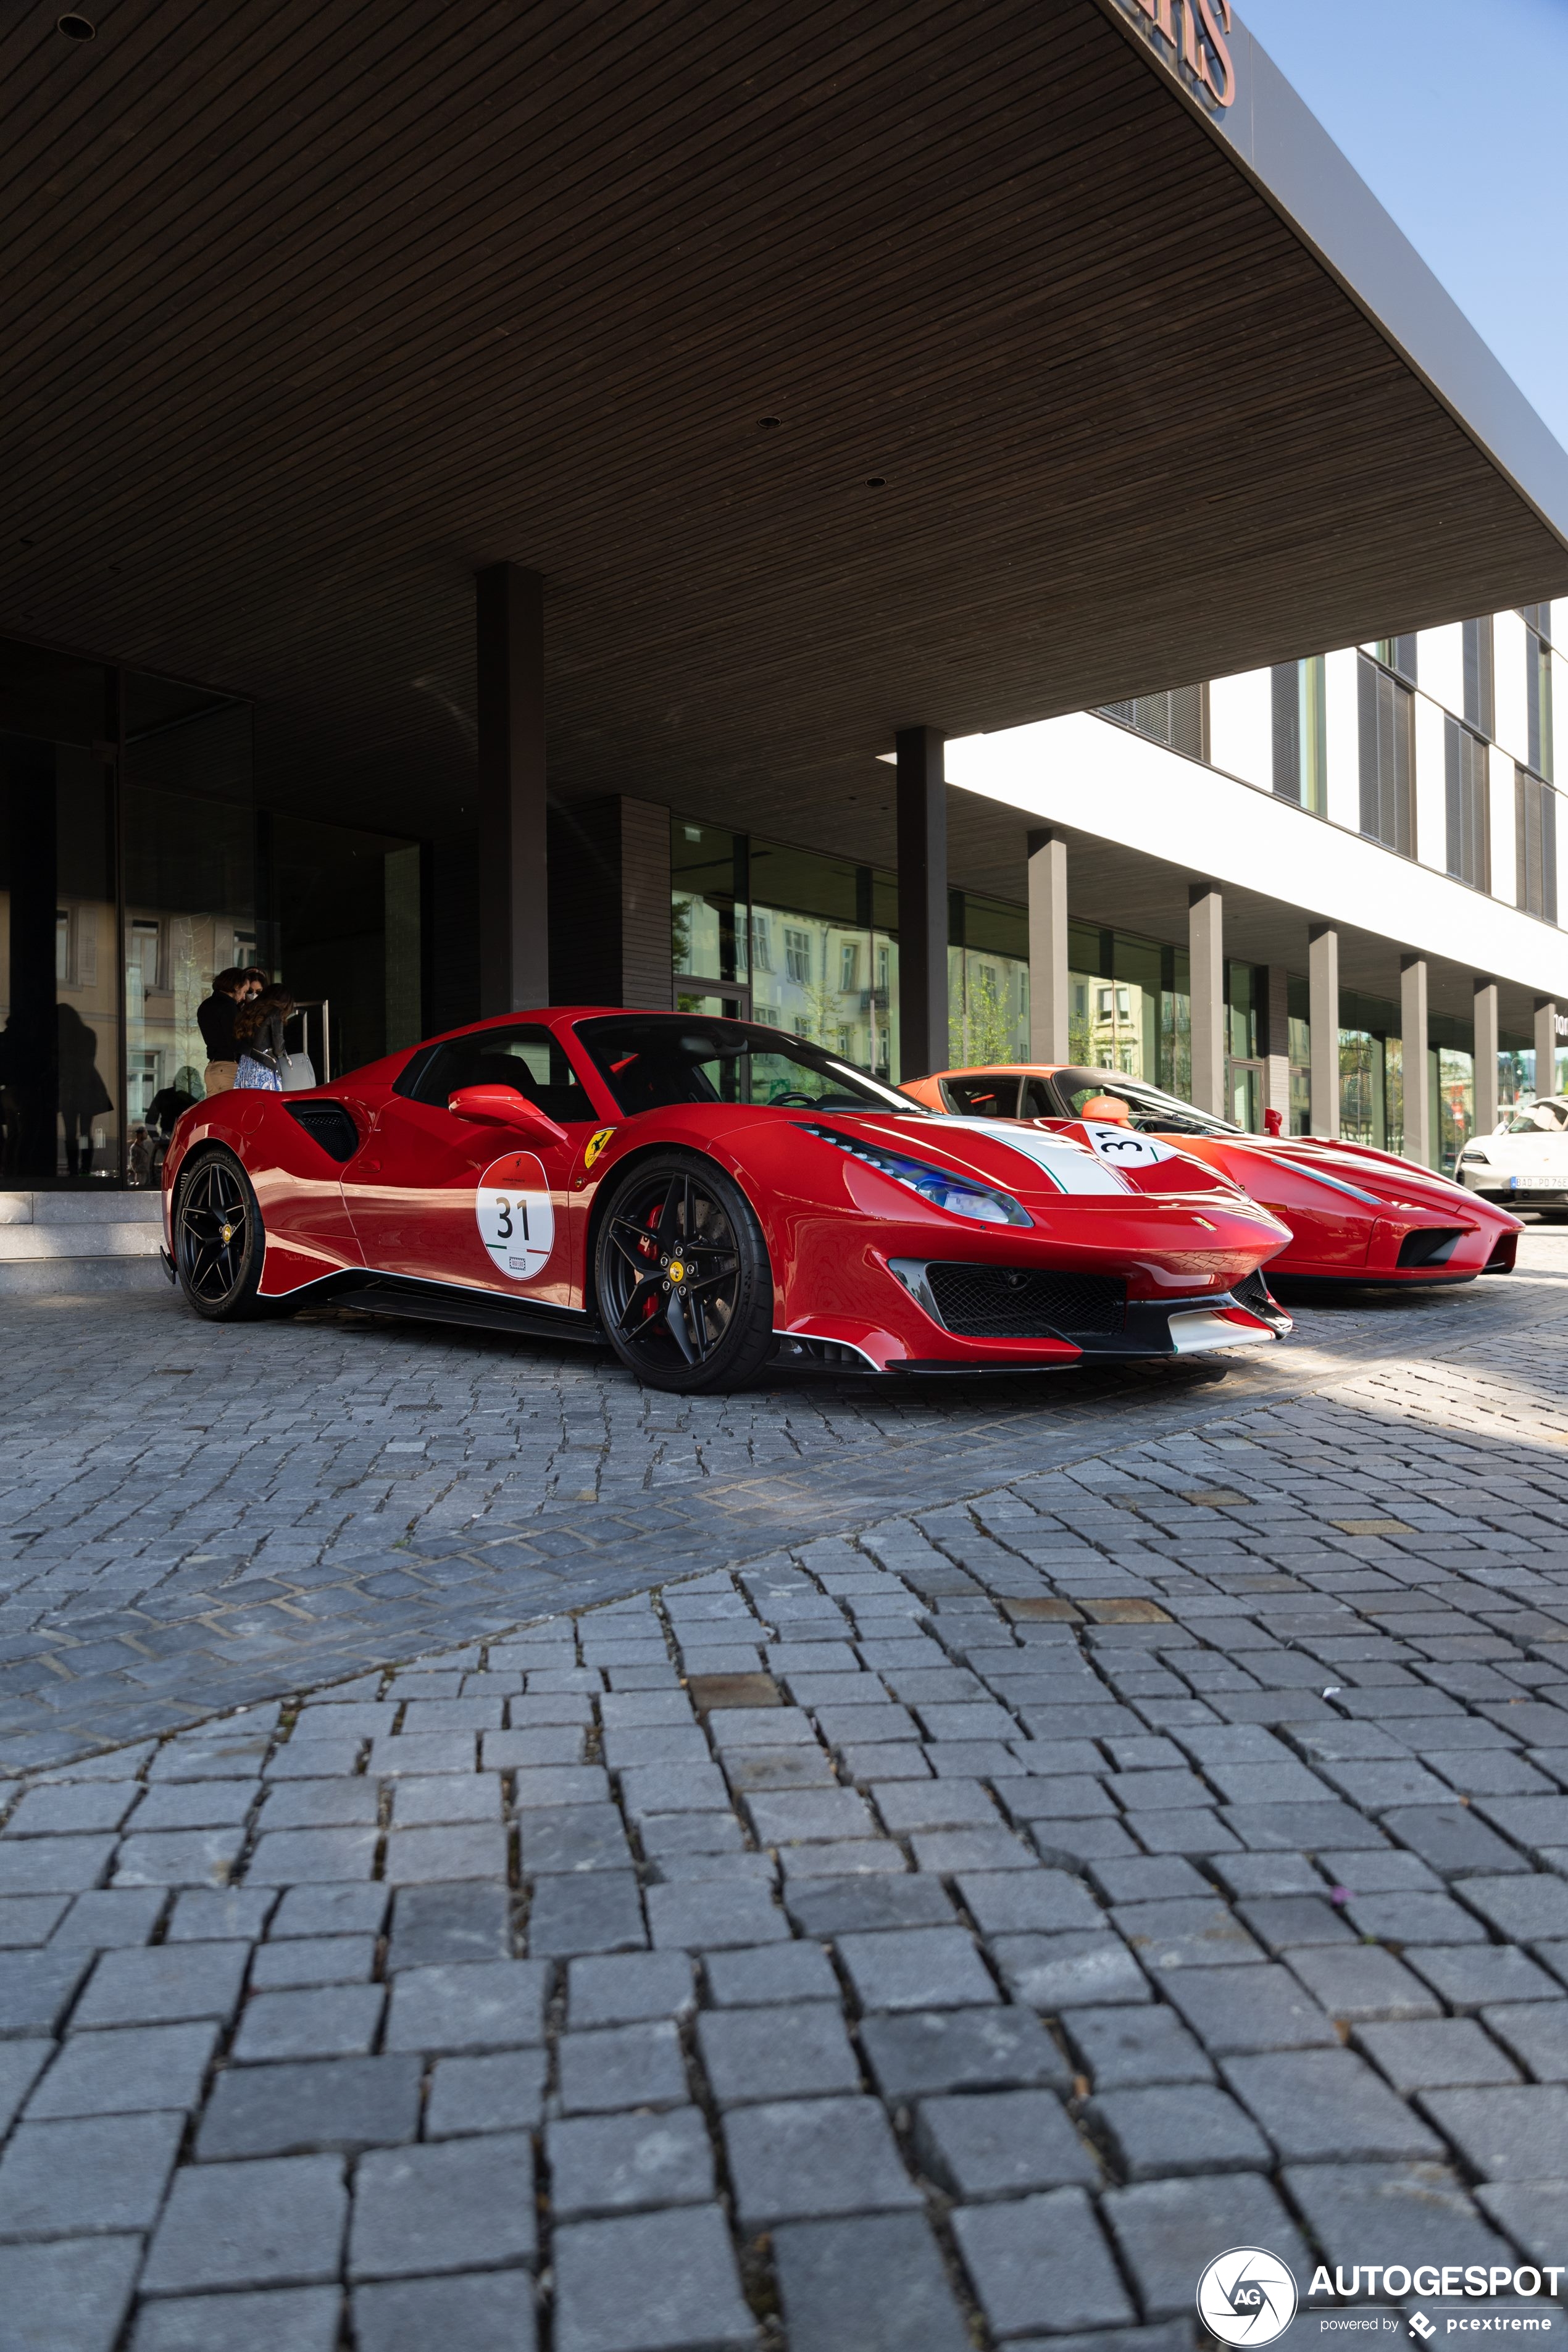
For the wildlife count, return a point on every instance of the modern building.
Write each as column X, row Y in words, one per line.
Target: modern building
column 512, row 506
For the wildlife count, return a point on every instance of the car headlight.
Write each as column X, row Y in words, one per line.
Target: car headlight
column 940, row 1188
column 1476, row 1156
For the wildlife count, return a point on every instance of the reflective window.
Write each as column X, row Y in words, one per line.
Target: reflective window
column 992, row 1096
column 528, row 1058
column 651, row 1061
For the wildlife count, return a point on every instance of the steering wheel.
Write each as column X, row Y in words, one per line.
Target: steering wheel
column 793, row 1102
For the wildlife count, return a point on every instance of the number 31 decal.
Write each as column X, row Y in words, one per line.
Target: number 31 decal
column 515, row 1215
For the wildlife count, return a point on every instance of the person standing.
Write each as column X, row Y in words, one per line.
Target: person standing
column 215, row 1019
column 258, row 1036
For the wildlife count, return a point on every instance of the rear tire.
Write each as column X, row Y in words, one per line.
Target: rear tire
column 681, row 1278
column 219, row 1243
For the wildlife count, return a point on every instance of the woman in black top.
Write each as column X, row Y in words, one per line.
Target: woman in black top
column 259, row 1034
column 216, row 1018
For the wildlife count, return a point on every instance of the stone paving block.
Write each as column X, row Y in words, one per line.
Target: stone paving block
column 327, row 1857
column 356, row 1910
column 70, row 2295
column 1536, row 2031
column 1524, row 1909
column 1186, row 2128
column 776, row 2054
column 501, row 2092
column 1453, row 1840
column 625, row 2163
column 70, row 1806
column 947, row 1854
column 946, row 1804
column 431, row 1799
column 132, row 2072
column 1148, row 1878
column 312, row 1759
column 837, row 1858
column 1360, row 1981
column 287, row 2320
column 106, row 1917
column 219, row 1915
column 615, row 1988
column 458, row 2205
column 1164, row 2229
column 616, row 2066
column 293, row 2108
column 1326, row 2107
column 36, row 1988
column 1071, row 1971
column 600, row 1912
column 1259, row 1876
column 1041, row 2262
column 1358, row 2211
column 917, row 1967
column 1238, row 2011
column 317, row 2021
column 470, row 2005
column 1060, row 1797
column 573, row 1838
column 1185, row 1935
column 932, row 2051
column 1444, row 2052
column 1514, row 2132
column 467, row 1850
column 1007, row 1902
column 1469, row 1977
column 796, row 2158
column 30, row 1920
column 193, row 1805
column 876, row 2281
column 660, row 1788
column 649, row 2283
column 1533, row 2213
column 426, row 1751
column 53, row 1866
column 1283, row 1923
column 89, row 2176
column 480, row 2311
column 706, row 1914
column 340, row 1803
column 162, row 1985
column 468, row 1921
column 788, row 1817
column 1126, row 2049
column 833, row 1907
column 982, row 2144
column 312, row 1960
column 21, row 2063
column 769, row 1974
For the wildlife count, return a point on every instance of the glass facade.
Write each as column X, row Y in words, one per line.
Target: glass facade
column 133, row 867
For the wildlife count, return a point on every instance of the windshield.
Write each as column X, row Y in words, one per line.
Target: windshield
column 651, row 1061
column 1540, row 1118
column 1081, row 1092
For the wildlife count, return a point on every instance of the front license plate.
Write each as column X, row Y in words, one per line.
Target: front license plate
column 1200, row 1330
column 1535, row 1183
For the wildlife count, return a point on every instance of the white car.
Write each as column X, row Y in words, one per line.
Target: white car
column 1525, row 1162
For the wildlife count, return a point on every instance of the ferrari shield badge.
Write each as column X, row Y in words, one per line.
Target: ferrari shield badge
column 595, row 1144
column 516, row 1217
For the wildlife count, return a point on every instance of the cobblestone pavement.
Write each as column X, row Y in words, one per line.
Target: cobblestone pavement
column 1053, row 1837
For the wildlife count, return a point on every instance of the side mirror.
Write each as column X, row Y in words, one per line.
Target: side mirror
column 504, row 1106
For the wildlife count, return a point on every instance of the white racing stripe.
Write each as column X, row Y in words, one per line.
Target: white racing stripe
column 1070, row 1166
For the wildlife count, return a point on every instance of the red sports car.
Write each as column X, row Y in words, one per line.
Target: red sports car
column 704, row 1194
column 1356, row 1215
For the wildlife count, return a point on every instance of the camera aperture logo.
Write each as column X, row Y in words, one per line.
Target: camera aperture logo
column 1247, row 2296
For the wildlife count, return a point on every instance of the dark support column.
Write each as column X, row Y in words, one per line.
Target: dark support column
column 922, row 903
column 514, row 930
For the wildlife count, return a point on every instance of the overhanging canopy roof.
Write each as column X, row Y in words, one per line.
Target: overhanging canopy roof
column 314, row 308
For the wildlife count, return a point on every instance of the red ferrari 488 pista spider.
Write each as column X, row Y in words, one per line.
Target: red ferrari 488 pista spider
column 702, row 1194
column 1356, row 1215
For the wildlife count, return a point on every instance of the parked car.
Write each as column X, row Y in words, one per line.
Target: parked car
column 1355, row 1214
column 1525, row 1161
column 703, row 1194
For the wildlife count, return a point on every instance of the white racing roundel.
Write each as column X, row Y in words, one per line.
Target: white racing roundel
column 516, row 1218
column 1124, row 1146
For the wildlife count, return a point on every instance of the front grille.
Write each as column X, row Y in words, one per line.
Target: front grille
column 1254, row 1292
column 1430, row 1245
column 328, row 1124
column 1018, row 1302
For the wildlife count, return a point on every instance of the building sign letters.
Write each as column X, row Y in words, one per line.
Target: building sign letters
column 1194, row 32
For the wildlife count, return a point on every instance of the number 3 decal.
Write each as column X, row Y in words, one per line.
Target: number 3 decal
column 516, row 1217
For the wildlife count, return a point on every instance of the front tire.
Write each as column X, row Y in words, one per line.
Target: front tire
column 219, row 1243
column 681, row 1278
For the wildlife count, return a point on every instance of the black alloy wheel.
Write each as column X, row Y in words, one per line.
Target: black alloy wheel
column 681, row 1277
column 218, row 1240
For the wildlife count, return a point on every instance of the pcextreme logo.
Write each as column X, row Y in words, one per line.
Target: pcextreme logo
column 1197, row 43
column 1247, row 2296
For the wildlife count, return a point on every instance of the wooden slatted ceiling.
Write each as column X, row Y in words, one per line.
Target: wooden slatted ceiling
column 313, row 308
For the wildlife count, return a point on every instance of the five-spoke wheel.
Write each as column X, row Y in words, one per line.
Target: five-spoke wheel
column 219, row 1241
column 682, row 1276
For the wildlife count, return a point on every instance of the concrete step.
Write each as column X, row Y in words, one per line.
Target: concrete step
column 41, row 1227
column 77, row 1278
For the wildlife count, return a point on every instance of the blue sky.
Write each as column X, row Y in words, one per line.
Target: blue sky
column 1456, row 114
